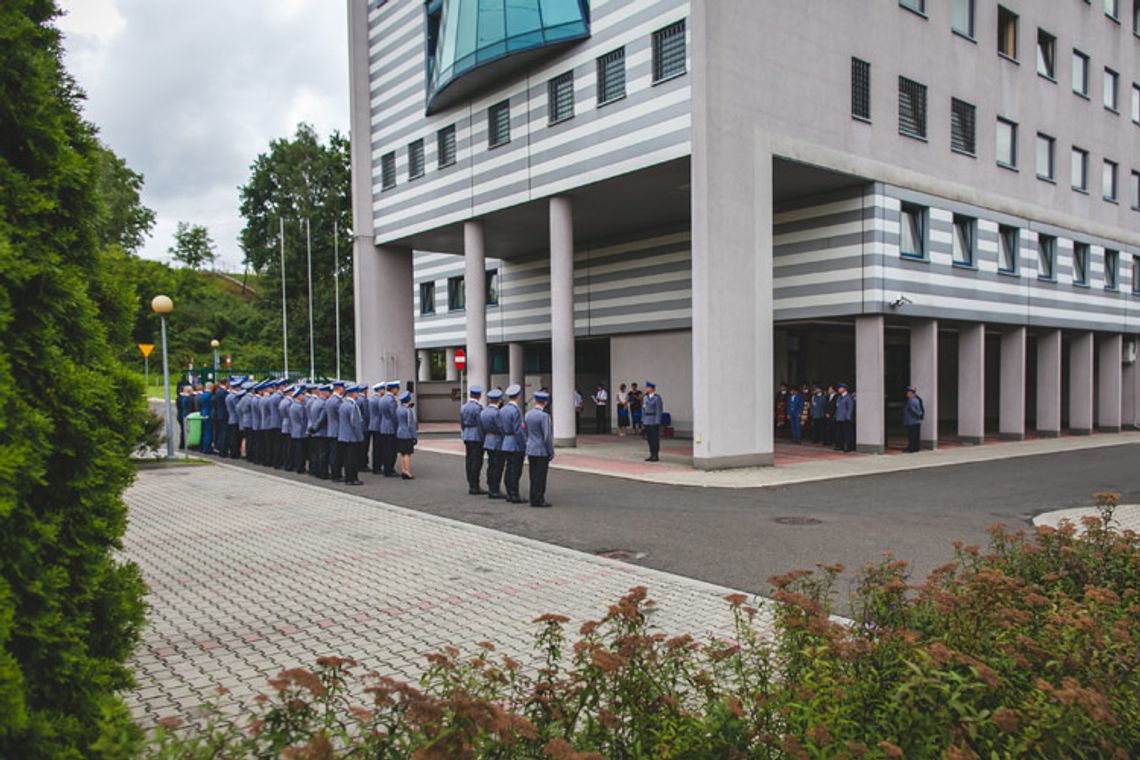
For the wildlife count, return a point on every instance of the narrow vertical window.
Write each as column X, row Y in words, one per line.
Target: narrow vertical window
column 388, row 171
column 1080, row 73
column 1045, row 147
column 1136, row 261
column 445, row 146
column 611, row 76
column 492, row 287
column 1007, row 33
column 1112, row 9
column 1111, row 86
column 1080, row 263
column 912, row 231
column 1135, row 191
column 1108, row 180
column 456, row 294
column 499, row 124
column 860, row 89
column 669, row 52
column 1046, row 54
column 912, row 108
column 1111, row 269
column 962, row 17
column 427, row 298
column 1046, row 257
column 1006, row 143
column 1080, row 169
column 416, row 159
column 1009, row 240
column 560, row 98
column 962, row 127
column 965, row 235
column 1136, row 100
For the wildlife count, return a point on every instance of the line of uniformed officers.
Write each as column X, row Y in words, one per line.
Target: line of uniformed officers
column 323, row 429
column 506, row 435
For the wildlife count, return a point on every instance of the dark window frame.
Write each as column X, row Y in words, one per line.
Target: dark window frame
column 427, row 294
column 1008, row 16
column 1111, row 265
column 611, row 78
column 1113, row 75
column 1050, row 42
column 1083, row 187
column 860, row 89
column 1051, row 257
column 1134, row 191
column 1051, row 176
column 446, row 149
column 456, row 293
column 1115, row 196
column 667, row 41
column 912, row 94
column 1005, row 231
column 388, row 171
column 963, row 127
column 1085, row 68
column 557, row 100
column 922, row 215
column 1013, row 144
column 971, row 11
column 416, row 159
column 1081, row 263
column 492, row 284
column 499, row 124
column 970, row 225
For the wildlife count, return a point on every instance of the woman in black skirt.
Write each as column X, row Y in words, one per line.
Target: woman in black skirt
column 406, row 434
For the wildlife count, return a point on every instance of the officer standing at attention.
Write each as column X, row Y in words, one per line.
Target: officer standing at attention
column 514, row 442
column 407, row 434
column 205, row 407
column 913, row 414
column 267, row 430
column 253, row 447
column 539, row 448
column 318, row 429
column 844, row 420
column 375, row 416
column 388, row 425
column 272, row 432
column 651, row 410
column 471, row 433
column 297, row 430
column 218, row 417
column 245, row 418
column 350, row 436
column 493, row 442
column 232, row 434
column 284, row 433
column 332, row 413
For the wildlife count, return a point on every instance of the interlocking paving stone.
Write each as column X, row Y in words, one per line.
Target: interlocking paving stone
column 250, row 574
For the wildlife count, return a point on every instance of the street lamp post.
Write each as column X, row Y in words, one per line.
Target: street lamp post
column 162, row 305
column 214, row 345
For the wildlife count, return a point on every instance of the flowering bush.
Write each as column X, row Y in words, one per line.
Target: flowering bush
column 1031, row 648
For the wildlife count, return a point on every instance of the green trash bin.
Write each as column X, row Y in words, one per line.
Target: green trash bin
column 193, row 423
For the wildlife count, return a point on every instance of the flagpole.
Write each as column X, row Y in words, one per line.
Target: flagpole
column 284, row 314
column 309, row 255
column 336, row 285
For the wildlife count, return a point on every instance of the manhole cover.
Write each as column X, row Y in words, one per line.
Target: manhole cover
column 626, row 555
column 797, row 520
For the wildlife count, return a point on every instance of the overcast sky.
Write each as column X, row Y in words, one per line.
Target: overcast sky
column 189, row 93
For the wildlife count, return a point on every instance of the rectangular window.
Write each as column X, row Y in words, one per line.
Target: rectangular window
column 669, row 52
column 611, row 76
column 456, row 294
column 1135, row 258
column 1046, row 257
column 1111, row 82
column 1111, row 269
column 1112, row 9
column 492, row 287
column 1080, row 169
column 560, row 98
column 1045, row 145
column 499, row 124
column 1080, row 73
column 1135, row 191
column 445, row 145
column 427, row 298
column 965, row 233
column 1007, row 33
column 388, row 171
column 1080, row 263
column 1136, row 16
column 912, row 108
column 1136, row 99
column 1006, row 143
column 914, row 5
column 1009, row 242
column 1108, row 180
column 860, row 89
column 962, row 127
column 416, row 159
column 962, row 17
column 1046, row 54
column 912, row 232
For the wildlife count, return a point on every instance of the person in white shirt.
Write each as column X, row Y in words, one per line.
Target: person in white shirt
column 622, row 409
column 577, row 412
column 601, row 401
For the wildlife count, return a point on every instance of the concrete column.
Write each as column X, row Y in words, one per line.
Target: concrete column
column 475, row 295
column 1011, row 409
column 1109, row 381
column 516, row 371
column 452, row 375
column 870, row 370
column 1081, row 383
column 562, row 319
column 924, row 375
column 1049, row 384
column 1130, row 396
column 731, row 200
column 423, row 372
column 382, row 276
column 972, row 383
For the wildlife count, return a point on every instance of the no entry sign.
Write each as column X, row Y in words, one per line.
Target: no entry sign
column 460, row 359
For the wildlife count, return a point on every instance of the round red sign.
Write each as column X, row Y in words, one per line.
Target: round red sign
column 460, row 359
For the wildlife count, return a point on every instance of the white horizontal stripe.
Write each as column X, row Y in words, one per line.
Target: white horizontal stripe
column 662, row 155
column 826, row 209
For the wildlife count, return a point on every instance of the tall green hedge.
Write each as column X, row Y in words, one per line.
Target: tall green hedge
column 69, row 613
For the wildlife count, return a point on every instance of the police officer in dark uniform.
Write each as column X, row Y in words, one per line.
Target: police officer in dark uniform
column 471, row 433
column 514, row 442
column 350, row 435
column 493, row 442
column 913, row 414
column 539, row 447
column 652, row 410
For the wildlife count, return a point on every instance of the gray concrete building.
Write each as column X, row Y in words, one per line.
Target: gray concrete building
column 722, row 194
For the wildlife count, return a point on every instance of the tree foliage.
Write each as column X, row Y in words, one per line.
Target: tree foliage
column 193, row 246
column 69, row 612
column 302, row 179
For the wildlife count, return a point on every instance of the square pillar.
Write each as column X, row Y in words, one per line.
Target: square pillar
column 475, row 303
column 423, row 366
column 562, row 320
column 1109, row 381
column 1130, row 395
column 924, row 375
column 516, row 372
column 452, row 375
column 1049, row 384
column 1081, row 383
column 1011, row 409
column 870, row 366
column 972, row 383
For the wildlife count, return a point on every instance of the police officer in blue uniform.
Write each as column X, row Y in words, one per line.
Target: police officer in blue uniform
column 332, row 410
column 652, row 408
column 350, row 435
column 375, row 415
column 388, row 425
column 844, row 420
column 318, row 430
column 913, row 414
column 298, row 424
column 493, row 442
column 407, row 434
column 514, row 442
column 471, row 433
column 220, row 422
column 233, row 431
column 539, row 447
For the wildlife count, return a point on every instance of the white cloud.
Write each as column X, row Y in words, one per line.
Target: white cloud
column 190, row 93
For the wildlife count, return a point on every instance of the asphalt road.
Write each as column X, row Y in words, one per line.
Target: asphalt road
column 736, row 537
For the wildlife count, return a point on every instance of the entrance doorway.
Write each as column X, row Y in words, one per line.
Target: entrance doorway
column 592, row 366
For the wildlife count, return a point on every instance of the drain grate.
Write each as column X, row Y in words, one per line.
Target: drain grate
column 797, row 520
column 625, row 555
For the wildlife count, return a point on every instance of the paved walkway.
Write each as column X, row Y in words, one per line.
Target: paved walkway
column 251, row 573
column 1126, row 516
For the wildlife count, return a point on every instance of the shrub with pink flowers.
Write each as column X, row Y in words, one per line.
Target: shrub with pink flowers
column 1030, row 647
